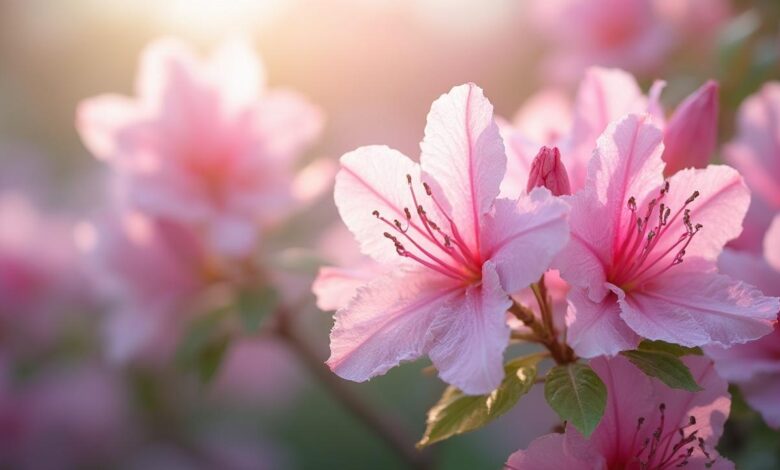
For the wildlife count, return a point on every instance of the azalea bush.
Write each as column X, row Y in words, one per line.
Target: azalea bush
column 591, row 284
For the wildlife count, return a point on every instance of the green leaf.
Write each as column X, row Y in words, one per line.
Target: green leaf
column 253, row 306
column 673, row 349
column 665, row 366
column 203, row 347
column 577, row 394
column 211, row 356
column 457, row 413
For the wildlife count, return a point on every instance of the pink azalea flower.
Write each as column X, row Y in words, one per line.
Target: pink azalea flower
column 150, row 271
column 638, row 35
column 642, row 254
column 455, row 251
column 41, row 277
column 755, row 366
column 605, row 95
column 646, row 425
column 754, row 152
column 203, row 142
column 613, row 33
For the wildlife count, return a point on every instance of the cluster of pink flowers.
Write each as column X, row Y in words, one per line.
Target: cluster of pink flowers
column 627, row 248
column 636, row 230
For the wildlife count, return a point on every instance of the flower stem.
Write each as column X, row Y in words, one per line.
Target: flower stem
column 544, row 331
column 386, row 431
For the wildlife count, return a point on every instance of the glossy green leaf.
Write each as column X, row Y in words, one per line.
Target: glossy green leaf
column 673, row 349
column 665, row 366
column 577, row 394
column 457, row 413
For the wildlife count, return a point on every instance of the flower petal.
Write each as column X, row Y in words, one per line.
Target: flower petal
column 691, row 135
column 583, row 261
column 463, row 153
column 695, row 307
column 755, row 151
column 103, row 121
column 168, row 71
column 553, row 452
column 387, row 323
column 372, row 179
column 604, row 96
column 288, row 123
column 772, row 244
column 237, row 71
column 720, row 207
column 469, row 336
column 335, row 287
column 761, row 394
column 522, row 237
column 595, row 328
column 627, row 162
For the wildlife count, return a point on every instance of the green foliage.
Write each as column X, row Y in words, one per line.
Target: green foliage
column 254, row 305
column 457, row 413
column 577, row 394
column 662, row 361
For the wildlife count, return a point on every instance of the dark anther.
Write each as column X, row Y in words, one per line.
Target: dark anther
column 408, row 214
column 427, row 189
column 631, row 204
column 409, row 179
column 375, row 214
column 692, row 197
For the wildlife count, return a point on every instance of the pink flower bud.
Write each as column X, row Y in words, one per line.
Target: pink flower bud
column 692, row 132
column 547, row 170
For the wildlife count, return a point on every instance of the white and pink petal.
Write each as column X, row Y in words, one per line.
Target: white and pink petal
column 463, row 157
column 469, row 336
column 387, row 322
column 692, row 306
column 522, row 237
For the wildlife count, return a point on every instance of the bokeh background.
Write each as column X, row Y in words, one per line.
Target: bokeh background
column 374, row 67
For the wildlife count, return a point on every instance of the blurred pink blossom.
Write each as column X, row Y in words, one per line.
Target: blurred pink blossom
column 755, row 366
column 456, row 254
column 204, row 142
column 42, row 282
column 257, row 371
column 151, row 271
column 642, row 254
column 638, row 35
column 645, row 425
column 755, row 153
column 68, row 417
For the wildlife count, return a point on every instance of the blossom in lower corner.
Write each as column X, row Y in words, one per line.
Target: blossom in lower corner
column 454, row 252
column 203, row 143
column 642, row 254
column 646, row 425
column 755, row 366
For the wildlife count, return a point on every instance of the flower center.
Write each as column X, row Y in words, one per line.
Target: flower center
column 641, row 254
column 447, row 252
column 665, row 448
